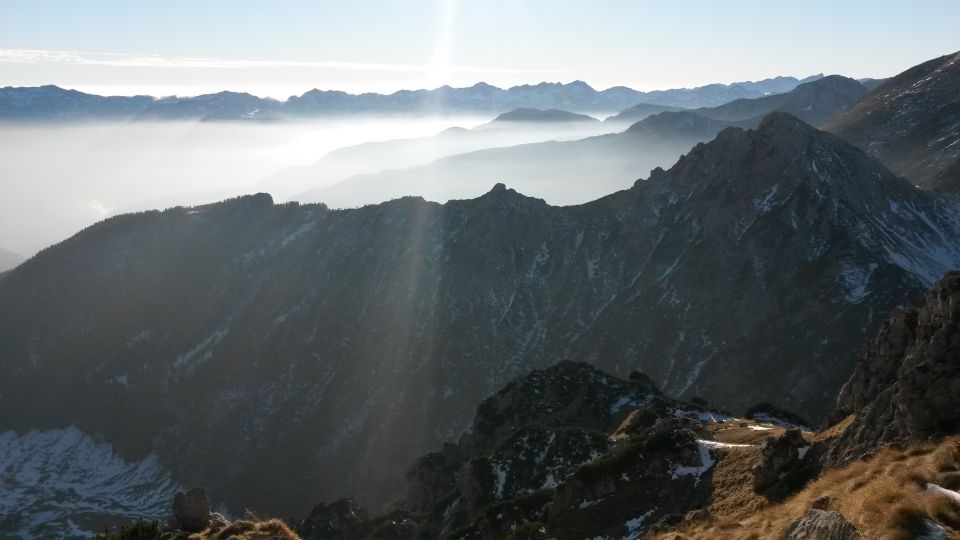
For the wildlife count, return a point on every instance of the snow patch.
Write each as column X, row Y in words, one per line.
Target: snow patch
column 500, row 471
column 764, row 203
column 626, row 401
column 635, row 528
column 718, row 444
column 940, row 490
column 49, row 477
column 856, row 278
column 706, row 462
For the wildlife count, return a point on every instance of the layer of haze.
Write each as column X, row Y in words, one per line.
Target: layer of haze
column 59, row 178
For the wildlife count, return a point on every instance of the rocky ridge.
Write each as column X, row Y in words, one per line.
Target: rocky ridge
column 351, row 331
column 565, row 452
column 907, row 380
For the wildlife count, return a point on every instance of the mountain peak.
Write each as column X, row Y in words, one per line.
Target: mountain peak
column 581, row 85
column 529, row 114
column 784, row 124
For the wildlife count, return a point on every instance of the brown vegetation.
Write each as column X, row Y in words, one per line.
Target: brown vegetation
column 273, row 529
column 885, row 496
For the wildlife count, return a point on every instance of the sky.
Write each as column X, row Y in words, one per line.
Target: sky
column 285, row 47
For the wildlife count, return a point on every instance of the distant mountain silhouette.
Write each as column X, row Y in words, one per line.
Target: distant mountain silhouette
column 814, row 102
column 51, row 103
column 573, row 172
column 526, row 114
column 9, row 259
column 639, row 112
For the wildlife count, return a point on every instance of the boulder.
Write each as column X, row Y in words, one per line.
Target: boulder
column 191, row 510
column 821, row 525
column 342, row 519
column 780, row 461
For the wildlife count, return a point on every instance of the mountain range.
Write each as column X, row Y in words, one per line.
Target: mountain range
column 221, row 334
column 569, row 362
column 572, row 172
column 51, row 103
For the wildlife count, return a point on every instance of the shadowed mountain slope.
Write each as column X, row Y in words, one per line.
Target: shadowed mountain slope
column 292, row 353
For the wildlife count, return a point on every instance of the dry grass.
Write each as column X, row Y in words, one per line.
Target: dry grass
column 835, row 430
column 273, row 529
column 885, row 497
column 733, row 484
column 739, row 432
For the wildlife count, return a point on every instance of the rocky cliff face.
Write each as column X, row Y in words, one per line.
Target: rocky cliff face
column 911, row 122
column 907, row 380
column 565, row 452
column 287, row 354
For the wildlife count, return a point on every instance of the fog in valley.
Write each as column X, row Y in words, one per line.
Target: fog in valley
column 61, row 177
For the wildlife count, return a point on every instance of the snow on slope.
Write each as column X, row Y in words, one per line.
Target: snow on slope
column 52, row 482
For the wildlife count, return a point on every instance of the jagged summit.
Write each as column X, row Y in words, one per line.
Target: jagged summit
column 784, row 152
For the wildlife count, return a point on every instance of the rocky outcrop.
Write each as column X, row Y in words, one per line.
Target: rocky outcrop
column 343, row 519
column 907, row 380
column 821, row 525
column 191, row 510
column 528, row 442
column 567, row 452
column 783, row 466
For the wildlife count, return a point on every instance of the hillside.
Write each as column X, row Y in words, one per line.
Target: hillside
column 206, row 332
column 570, row 452
column 911, row 122
column 815, row 102
column 639, row 112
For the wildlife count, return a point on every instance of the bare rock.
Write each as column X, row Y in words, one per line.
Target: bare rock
column 779, row 456
column 821, row 525
column 907, row 381
column 191, row 510
column 339, row 520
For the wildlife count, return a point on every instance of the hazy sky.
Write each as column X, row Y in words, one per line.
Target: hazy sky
column 283, row 47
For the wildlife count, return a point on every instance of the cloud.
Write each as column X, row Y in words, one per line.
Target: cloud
column 37, row 56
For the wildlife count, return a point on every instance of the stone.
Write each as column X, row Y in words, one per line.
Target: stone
column 191, row 510
column 340, row 519
column 778, row 457
column 821, row 525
